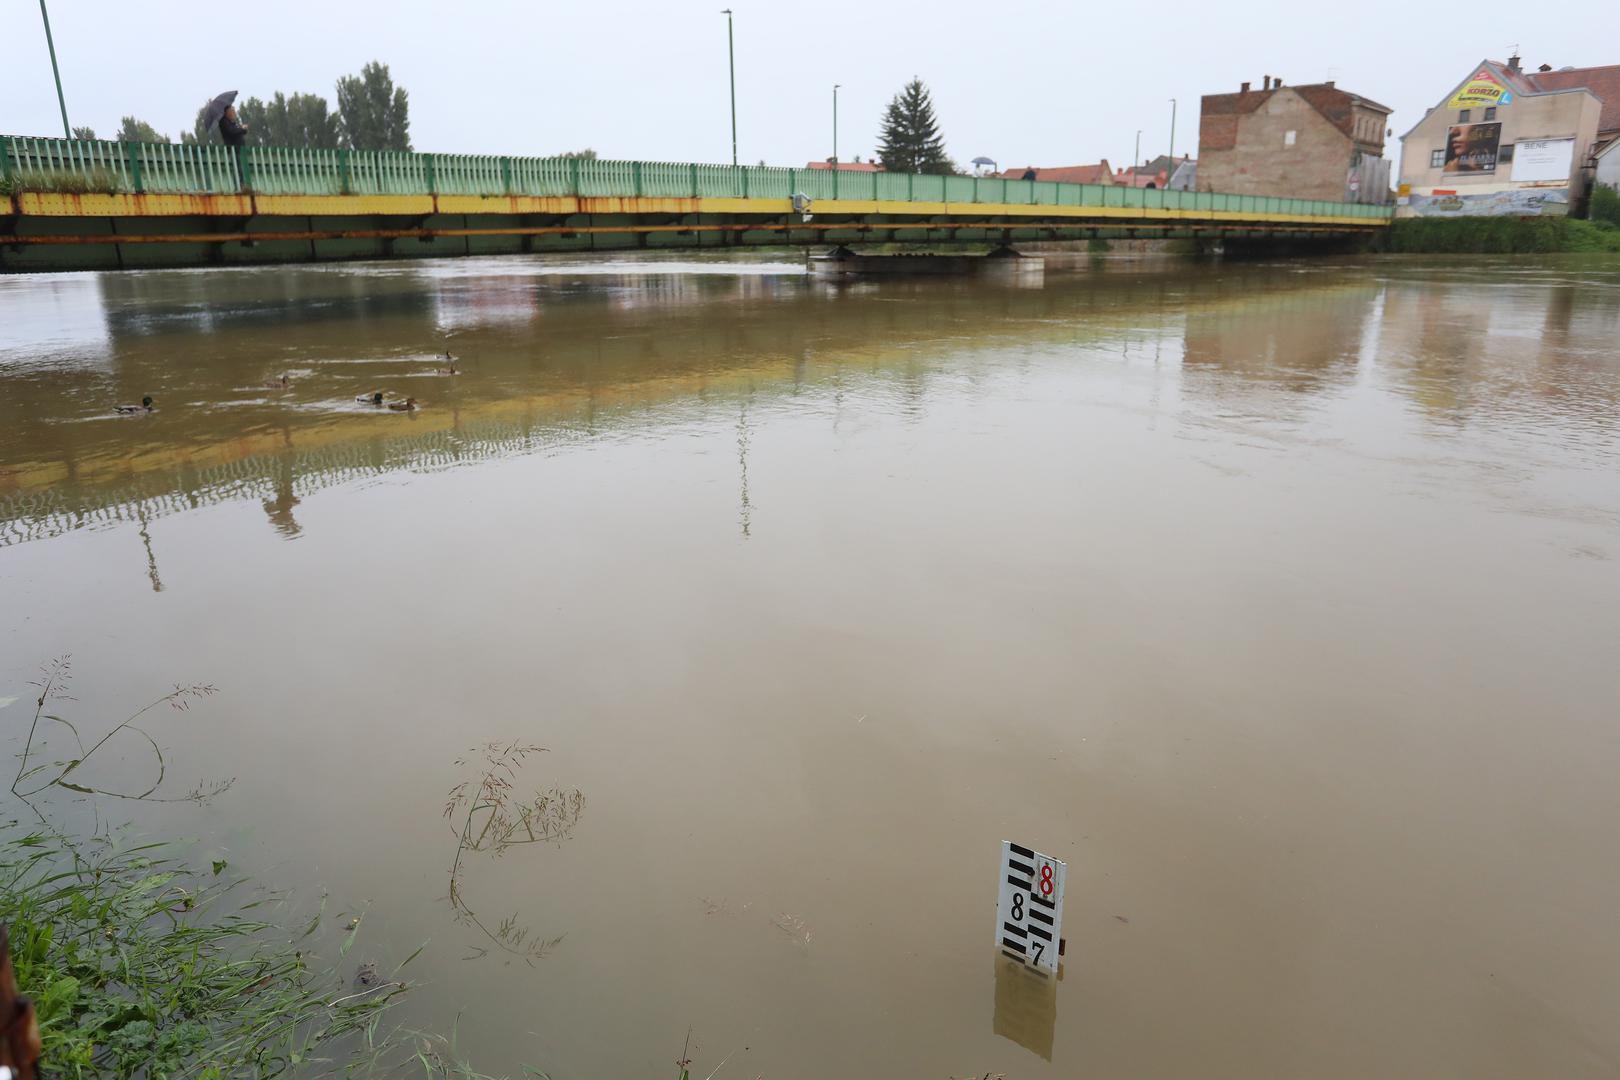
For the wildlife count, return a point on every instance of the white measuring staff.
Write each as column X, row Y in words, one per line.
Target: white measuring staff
column 1029, row 912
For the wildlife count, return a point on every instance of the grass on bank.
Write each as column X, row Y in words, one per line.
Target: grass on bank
column 139, row 965
column 1499, row 236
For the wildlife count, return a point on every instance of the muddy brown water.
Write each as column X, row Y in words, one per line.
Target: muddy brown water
column 1281, row 600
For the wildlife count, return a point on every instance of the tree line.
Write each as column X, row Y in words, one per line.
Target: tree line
column 372, row 114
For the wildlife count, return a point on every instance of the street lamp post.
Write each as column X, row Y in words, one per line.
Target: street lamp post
column 67, row 132
column 1170, row 168
column 731, row 58
column 1137, row 160
column 835, row 123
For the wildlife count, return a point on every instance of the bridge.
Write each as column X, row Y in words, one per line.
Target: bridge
column 71, row 204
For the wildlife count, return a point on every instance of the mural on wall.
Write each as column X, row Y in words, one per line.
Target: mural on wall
column 1521, row 203
column 1472, row 148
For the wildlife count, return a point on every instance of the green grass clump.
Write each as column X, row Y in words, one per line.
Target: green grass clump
column 1498, row 235
column 139, row 965
column 89, row 182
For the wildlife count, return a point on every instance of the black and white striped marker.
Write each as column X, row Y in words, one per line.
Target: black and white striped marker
column 1029, row 913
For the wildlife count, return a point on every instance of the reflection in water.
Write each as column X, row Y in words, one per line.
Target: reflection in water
column 745, row 509
column 279, row 508
column 1291, row 713
column 1026, row 1005
column 151, row 559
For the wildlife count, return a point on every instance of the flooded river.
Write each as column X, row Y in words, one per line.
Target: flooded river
column 1282, row 601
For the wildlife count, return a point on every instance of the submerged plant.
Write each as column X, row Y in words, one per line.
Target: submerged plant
column 141, row 965
column 33, row 779
column 487, row 815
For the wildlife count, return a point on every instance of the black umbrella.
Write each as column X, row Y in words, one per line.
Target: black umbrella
column 216, row 109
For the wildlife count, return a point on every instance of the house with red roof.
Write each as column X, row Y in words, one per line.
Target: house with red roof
column 1313, row 141
column 1506, row 141
column 848, row 166
column 1100, row 173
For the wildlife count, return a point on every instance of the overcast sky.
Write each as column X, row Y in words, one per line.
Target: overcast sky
column 1025, row 83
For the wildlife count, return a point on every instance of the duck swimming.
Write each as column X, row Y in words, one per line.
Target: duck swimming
column 279, row 384
column 451, row 370
column 371, row 399
column 408, row 405
column 130, row 410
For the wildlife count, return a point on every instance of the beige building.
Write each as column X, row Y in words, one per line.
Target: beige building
column 1505, row 141
column 1307, row 142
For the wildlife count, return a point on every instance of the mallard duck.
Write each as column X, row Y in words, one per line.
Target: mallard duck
column 130, row 410
column 371, row 399
column 408, row 405
column 279, row 384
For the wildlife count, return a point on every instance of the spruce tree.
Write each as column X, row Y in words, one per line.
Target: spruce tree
column 910, row 141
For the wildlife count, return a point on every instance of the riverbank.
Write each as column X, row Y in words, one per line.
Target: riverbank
column 1497, row 236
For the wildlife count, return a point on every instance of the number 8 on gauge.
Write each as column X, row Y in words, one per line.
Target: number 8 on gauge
column 1029, row 911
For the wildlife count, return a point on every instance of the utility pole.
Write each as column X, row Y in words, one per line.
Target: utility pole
column 1137, row 160
column 835, row 123
column 1171, row 168
column 67, row 132
column 731, row 57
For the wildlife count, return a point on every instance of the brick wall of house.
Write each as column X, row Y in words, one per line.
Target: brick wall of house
column 1249, row 153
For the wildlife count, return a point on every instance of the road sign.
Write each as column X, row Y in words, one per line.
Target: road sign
column 1029, row 913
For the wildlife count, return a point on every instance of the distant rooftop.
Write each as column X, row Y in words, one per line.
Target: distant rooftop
column 848, row 166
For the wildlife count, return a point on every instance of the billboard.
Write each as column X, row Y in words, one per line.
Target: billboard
column 1482, row 89
column 1542, row 159
column 1472, row 148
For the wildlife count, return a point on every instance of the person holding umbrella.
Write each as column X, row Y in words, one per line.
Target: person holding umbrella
column 221, row 113
column 232, row 130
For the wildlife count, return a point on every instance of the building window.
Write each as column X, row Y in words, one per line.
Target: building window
column 1463, row 115
column 1490, row 112
column 1505, row 154
column 1288, row 137
column 1437, row 159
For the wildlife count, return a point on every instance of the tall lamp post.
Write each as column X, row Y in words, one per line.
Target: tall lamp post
column 1171, row 168
column 731, row 57
column 835, row 123
column 67, row 132
column 1137, row 160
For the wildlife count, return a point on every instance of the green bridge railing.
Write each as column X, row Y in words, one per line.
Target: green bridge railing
column 84, row 166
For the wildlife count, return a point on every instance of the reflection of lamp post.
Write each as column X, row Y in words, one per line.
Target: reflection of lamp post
column 835, row 124
column 67, row 132
column 731, row 58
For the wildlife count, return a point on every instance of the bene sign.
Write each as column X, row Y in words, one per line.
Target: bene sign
column 1029, row 912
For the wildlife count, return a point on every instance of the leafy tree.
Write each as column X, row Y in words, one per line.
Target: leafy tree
column 375, row 114
column 84, row 133
column 910, row 141
column 199, row 133
column 1605, row 204
column 303, row 120
column 133, row 130
column 586, row 154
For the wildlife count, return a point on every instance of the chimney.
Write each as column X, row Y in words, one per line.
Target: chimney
column 1268, row 82
column 1328, row 84
column 1544, row 67
column 1513, row 62
column 1244, row 89
column 1276, row 83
